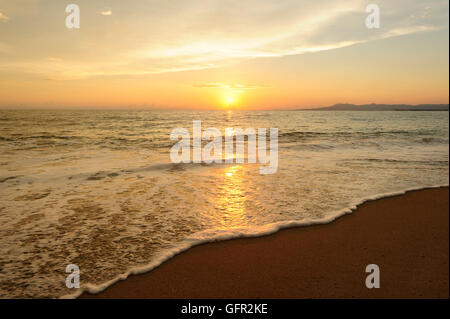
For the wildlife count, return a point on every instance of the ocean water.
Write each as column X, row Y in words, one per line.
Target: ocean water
column 97, row 188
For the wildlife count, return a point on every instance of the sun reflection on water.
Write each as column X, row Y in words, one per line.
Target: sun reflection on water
column 231, row 198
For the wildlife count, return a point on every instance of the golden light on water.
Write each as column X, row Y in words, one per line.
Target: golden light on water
column 230, row 204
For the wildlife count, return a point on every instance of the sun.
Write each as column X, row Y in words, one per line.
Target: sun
column 229, row 99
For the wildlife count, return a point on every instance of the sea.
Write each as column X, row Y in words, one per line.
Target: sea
column 97, row 188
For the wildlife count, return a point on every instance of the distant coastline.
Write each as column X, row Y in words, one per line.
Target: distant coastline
column 381, row 107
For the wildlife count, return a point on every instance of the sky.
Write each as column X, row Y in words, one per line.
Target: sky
column 213, row 54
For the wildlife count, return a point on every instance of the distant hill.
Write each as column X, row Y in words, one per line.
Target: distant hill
column 383, row 107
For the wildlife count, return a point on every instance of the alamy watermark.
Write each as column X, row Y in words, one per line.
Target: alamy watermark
column 373, row 279
column 73, row 19
column 373, row 19
column 73, row 280
column 213, row 151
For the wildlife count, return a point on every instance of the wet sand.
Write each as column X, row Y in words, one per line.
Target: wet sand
column 407, row 236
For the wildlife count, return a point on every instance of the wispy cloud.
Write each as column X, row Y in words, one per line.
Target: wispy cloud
column 3, row 18
column 106, row 13
column 149, row 39
column 233, row 87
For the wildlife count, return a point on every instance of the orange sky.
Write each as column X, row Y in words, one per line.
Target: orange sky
column 205, row 55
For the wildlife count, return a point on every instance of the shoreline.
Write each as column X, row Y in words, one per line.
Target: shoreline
column 302, row 265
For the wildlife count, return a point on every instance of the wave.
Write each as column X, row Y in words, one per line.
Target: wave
column 361, row 134
column 433, row 140
column 390, row 160
column 210, row 236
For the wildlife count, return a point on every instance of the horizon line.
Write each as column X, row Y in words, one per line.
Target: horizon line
column 170, row 108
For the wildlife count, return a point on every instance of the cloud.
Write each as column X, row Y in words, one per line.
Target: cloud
column 54, row 59
column 233, row 87
column 153, row 37
column 3, row 18
column 217, row 35
column 106, row 13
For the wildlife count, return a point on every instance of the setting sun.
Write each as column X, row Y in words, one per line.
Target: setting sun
column 229, row 99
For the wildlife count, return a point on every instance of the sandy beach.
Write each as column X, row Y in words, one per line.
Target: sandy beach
column 407, row 236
